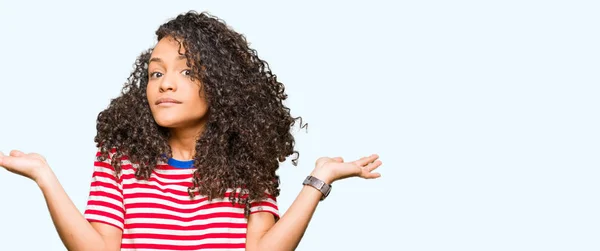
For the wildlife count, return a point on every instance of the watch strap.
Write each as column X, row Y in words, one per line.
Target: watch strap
column 318, row 184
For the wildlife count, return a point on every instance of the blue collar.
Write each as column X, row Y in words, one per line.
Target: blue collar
column 180, row 163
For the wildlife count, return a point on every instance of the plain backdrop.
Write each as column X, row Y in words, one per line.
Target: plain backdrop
column 485, row 113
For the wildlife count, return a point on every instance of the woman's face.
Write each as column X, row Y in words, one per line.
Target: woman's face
column 176, row 101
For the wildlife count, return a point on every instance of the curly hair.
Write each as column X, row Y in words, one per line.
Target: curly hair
column 248, row 130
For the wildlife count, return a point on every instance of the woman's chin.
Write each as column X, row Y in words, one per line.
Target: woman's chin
column 168, row 122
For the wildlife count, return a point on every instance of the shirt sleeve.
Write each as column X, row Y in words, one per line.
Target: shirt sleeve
column 105, row 201
column 269, row 204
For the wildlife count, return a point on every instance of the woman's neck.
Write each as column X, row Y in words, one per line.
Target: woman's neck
column 183, row 142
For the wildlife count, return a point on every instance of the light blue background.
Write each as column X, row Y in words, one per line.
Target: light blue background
column 485, row 113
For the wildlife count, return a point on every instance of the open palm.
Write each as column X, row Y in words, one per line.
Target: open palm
column 337, row 169
column 27, row 165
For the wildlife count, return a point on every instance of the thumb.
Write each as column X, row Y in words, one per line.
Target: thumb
column 338, row 159
column 16, row 153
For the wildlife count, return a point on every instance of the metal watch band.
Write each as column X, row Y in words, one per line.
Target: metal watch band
column 320, row 185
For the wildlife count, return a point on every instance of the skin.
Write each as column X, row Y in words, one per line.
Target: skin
column 169, row 78
column 186, row 119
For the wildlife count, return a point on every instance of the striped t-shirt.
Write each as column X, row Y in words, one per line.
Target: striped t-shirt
column 158, row 214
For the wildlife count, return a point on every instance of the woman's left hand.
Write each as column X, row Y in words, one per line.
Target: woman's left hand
column 332, row 169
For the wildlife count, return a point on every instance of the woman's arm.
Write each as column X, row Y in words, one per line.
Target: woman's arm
column 264, row 234
column 74, row 230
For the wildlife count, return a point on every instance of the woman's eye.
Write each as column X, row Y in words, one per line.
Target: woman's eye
column 186, row 72
column 156, row 74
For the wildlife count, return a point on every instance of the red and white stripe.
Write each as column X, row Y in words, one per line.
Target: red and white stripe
column 158, row 214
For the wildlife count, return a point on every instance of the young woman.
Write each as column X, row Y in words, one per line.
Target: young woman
column 188, row 153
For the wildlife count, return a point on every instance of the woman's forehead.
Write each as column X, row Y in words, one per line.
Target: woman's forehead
column 168, row 51
column 168, row 46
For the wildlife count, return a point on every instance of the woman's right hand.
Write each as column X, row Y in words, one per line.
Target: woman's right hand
column 31, row 165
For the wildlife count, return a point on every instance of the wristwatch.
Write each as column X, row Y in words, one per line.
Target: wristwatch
column 319, row 185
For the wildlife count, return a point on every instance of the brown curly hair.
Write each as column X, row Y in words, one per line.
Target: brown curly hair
column 248, row 131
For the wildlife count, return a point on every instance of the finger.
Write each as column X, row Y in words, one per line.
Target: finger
column 12, row 162
column 372, row 166
column 3, row 161
column 6, row 161
column 366, row 160
column 372, row 176
column 16, row 153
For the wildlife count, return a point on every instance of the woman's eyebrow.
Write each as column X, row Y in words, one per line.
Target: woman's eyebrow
column 158, row 60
